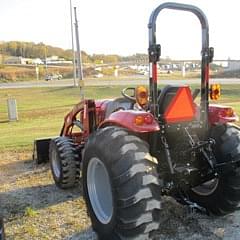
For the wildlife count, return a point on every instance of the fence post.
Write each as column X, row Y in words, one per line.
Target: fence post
column 12, row 109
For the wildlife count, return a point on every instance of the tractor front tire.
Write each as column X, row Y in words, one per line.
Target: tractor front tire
column 64, row 162
column 121, row 185
column 222, row 195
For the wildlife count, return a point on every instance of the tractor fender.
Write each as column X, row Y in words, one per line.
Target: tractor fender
column 135, row 121
column 221, row 114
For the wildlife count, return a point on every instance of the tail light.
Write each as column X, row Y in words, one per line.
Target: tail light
column 227, row 112
column 215, row 91
column 143, row 119
column 139, row 120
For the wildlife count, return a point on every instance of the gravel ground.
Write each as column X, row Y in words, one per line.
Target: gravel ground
column 34, row 208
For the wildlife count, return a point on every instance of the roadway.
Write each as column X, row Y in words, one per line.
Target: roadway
column 137, row 80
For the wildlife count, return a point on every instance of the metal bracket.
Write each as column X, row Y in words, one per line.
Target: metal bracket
column 219, row 165
column 192, row 206
column 154, row 52
column 208, row 53
column 167, row 154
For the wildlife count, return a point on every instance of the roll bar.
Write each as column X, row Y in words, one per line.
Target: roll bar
column 155, row 53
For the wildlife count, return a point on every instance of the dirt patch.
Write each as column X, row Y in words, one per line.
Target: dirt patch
column 179, row 223
column 34, row 208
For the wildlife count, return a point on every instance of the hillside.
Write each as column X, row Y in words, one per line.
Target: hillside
column 36, row 50
column 41, row 50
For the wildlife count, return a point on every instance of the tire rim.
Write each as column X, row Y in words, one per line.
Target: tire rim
column 99, row 190
column 56, row 164
column 207, row 188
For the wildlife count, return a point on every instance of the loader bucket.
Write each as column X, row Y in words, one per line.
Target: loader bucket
column 41, row 150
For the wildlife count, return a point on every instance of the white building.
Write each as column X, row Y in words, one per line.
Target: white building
column 233, row 65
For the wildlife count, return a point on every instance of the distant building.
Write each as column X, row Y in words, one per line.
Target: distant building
column 139, row 67
column 98, row 61
column 98, row 69
column 24, row 61
column 14, row 60
column 55, row 60
column 37, row 61
column 233, row 66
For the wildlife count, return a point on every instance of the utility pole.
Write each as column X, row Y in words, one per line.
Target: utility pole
column 79, row 58
column 46, row 67
column 73, row 50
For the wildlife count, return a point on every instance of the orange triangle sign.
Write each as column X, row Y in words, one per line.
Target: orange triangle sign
column 181, row 108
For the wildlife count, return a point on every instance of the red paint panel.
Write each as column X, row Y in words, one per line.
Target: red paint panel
column 101, row 106
column 126, row 119
column 154, row 72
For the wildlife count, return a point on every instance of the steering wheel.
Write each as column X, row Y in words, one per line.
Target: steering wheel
column 131, row 98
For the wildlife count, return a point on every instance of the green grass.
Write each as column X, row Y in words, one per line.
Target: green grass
column 41, row 111
column 30, row 212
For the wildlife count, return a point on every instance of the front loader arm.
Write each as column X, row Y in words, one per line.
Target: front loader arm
column 86, row 122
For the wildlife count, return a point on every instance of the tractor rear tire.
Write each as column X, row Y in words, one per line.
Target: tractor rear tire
column 64, row 162
column 2, row 233
column 222, row 195
column 121, row 185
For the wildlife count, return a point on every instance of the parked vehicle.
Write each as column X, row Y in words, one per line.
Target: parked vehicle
column 50, row 77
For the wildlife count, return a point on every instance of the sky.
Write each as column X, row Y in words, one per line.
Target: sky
column 120, row 27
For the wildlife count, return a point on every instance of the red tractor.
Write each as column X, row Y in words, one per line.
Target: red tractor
column 132, row 150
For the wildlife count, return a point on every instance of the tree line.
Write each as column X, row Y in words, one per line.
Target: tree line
column 41, row 50
column 33, row 50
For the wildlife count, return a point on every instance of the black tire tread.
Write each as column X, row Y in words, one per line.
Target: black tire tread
column 2, row 232
column 134, row 179
column 69, row 160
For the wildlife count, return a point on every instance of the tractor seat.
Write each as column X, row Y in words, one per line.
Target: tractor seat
column 118, row 104
column 165, row 97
